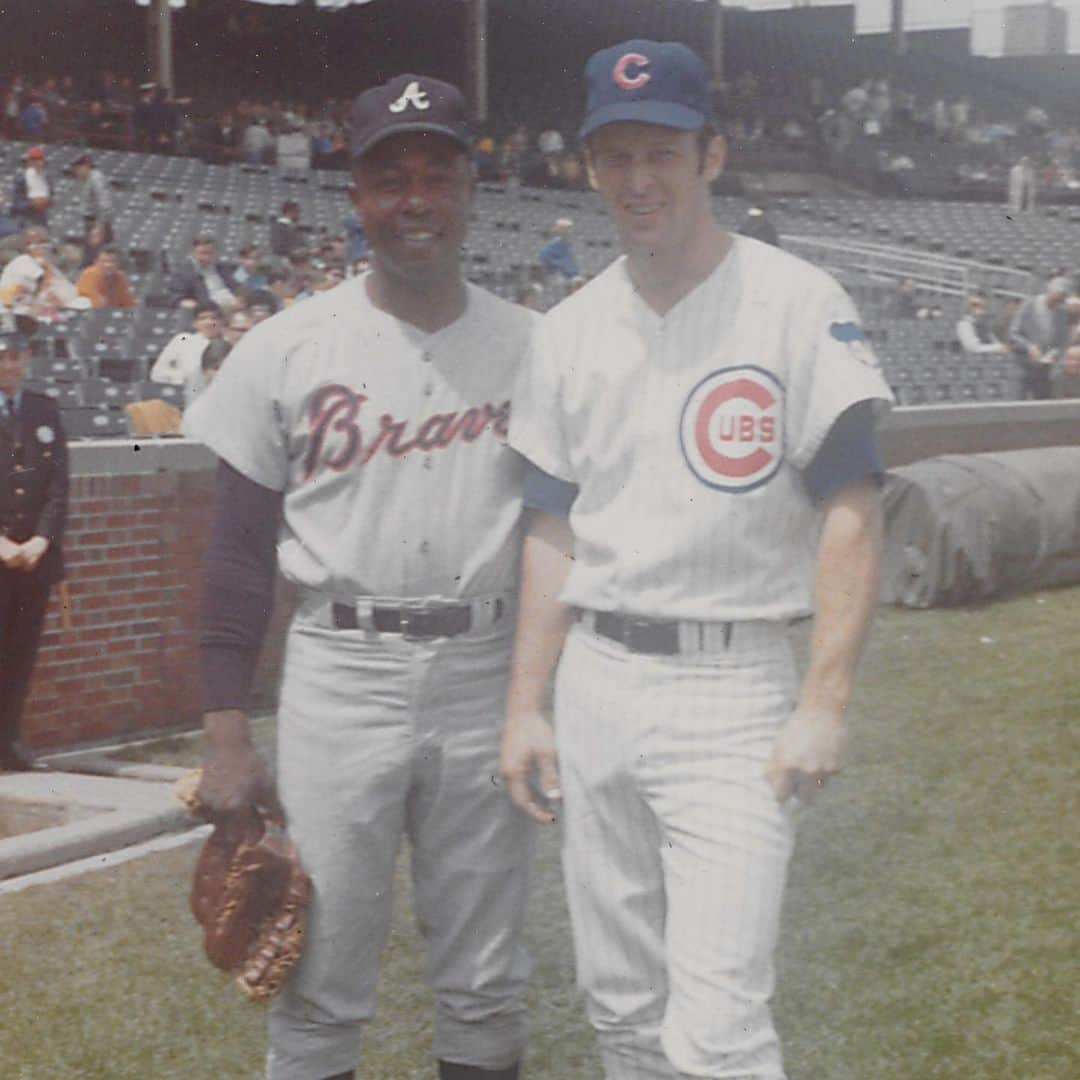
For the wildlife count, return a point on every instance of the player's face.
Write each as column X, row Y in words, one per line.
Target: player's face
column 13, row 364
column 412, row 193
column 655, row 181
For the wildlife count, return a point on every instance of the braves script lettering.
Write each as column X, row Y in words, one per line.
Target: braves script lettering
column 336, row 440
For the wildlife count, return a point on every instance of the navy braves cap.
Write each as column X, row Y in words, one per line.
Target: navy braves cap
column 653, row 82
column 407, row 103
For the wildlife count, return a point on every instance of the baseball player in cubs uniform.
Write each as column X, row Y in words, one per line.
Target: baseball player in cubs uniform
column 372, row 419
column 699, row 422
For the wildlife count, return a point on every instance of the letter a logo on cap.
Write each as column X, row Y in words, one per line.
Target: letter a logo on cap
column 413, row 96
column 620, row 72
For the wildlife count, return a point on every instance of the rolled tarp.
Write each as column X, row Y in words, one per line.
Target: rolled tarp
column 967, row 527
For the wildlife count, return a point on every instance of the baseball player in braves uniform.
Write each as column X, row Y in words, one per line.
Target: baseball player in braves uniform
column 699, row 422
column 372, row 419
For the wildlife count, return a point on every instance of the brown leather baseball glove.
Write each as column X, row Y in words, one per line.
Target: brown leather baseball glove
column 249, row 894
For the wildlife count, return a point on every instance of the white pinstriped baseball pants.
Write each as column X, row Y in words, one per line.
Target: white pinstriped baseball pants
column 675, row 850
column 379, row 739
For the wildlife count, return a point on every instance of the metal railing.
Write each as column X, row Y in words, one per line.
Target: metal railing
column 942, row 274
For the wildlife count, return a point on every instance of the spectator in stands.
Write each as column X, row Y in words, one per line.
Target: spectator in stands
column 758, row 226
column 485, row 159
column 93, row 242
column 356, row 241
column 1039, row 336
column 285, row 235
column 1066, row 382
column 201, row 280
column 904, row 304
column 513, row 154
column 32, row 284
column 531, row 296
column 33, row 119
column 1022, row 184
column 557, row 255
column 223, row 138
column 248, row 274
column 293, row 146
column 104, row 284
column 180, row 362
column 240, row 322
column 282, row 287
column 257, row 143
column 32, row 195
column 974, row 332
column 212, row 358
column 96, row 199
column 261, row 305
column 13, row 96
column 10, row 232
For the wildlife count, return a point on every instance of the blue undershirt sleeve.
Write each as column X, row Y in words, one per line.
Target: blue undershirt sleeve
column 849, row 453
column 542, row 491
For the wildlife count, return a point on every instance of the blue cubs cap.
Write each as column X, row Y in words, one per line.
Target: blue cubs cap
column 407, row 103
column 653, row 82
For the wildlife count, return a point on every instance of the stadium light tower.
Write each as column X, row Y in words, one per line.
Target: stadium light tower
column 159, row 43
column 899, row 38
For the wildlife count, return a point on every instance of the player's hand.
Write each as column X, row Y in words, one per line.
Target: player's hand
column 810, row 748
column 528, row 767
column 235, row 777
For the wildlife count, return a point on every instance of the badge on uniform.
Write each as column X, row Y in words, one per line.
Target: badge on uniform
column 852, row 335
column 45, row 435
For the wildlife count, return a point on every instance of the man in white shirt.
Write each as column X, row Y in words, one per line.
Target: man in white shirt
column 180, row 362
column 974, row 332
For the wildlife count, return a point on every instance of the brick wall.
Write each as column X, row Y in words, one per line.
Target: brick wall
column 126, row 661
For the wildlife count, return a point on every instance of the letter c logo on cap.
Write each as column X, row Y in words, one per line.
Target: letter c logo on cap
column 620, row 73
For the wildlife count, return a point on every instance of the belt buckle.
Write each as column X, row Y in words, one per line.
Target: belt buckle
column 647, row 635
column 409, row 618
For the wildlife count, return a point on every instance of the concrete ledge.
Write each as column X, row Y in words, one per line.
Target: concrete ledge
column 123, row 812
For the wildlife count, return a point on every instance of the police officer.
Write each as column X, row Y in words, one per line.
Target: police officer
column 33, row 507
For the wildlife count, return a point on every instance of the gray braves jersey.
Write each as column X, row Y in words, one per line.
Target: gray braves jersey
column 686, row 433
column 389, row 443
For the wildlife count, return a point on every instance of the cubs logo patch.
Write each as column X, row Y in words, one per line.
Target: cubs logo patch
column 852, row 335
column 625, row 79
column 732, row 428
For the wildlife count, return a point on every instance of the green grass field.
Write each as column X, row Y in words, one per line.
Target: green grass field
column 930, row 930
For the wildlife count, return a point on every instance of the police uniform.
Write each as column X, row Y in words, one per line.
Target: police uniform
column 33, row 502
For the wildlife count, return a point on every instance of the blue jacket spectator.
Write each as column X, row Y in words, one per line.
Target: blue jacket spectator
column 557, row 255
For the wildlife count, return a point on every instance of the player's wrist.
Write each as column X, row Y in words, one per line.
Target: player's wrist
column 227, row 729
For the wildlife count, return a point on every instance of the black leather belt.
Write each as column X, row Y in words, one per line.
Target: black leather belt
column 446, row 621
column 660, row 637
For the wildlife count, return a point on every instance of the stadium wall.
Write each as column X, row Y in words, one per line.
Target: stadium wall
column 126, row 664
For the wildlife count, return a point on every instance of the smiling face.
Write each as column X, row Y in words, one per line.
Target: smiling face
column 412, row 192
column 655, row 181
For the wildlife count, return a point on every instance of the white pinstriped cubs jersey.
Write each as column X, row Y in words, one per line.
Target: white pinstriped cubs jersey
column 686, row 433
column 389, row 443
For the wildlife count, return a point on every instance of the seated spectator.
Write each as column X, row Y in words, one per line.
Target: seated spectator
column 92, row 245
column 261, row 305
column 32, row 195
column 1039, row 337
column 904, row 304
column 975, row 333
column 356, row 242
column 248, row 274
column 212, row 358
column 285, row 235
column 240, row 322
column 31, row 284
column 33, row 119
column 557, row 255
column 201, row 280
column 180, row 362
column 574, row 177
column 104, row 284
column 531, row 296
column 487, row 166
column 10, row 231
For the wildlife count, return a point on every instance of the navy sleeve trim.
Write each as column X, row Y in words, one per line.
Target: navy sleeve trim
column 237, row 588
column 542, row 491
column 849, row 453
